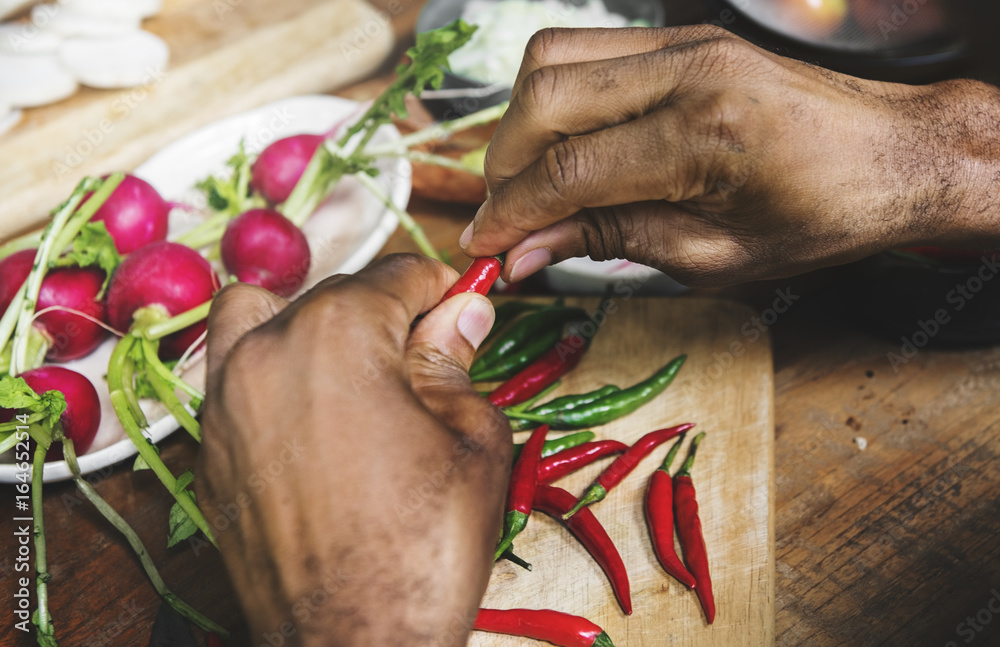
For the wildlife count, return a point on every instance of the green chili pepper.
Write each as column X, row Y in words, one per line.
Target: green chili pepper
column 562, row 403
column 610, row 407
column 574, row 401
column 547, row 322
column 519, row 358
column 556, row 445
column 527, row 404
column 509, row 311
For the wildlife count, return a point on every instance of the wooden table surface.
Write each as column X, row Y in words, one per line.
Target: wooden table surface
column 896, row 544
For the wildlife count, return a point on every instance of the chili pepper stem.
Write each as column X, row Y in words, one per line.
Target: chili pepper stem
column 514, row 522
column 594, row 494
column 668, row 461
column 685, row 469
column 510, row 556
column 527, row 404
column 602, row 640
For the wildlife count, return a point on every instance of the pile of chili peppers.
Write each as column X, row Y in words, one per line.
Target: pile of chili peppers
column 533, row 347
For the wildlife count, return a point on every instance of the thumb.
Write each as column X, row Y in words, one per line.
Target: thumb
column 236, row 309
column 439, row 353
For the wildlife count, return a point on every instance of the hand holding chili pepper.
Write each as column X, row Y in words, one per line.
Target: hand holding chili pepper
column 690, row 533
column 480, row 276
column 392, row 468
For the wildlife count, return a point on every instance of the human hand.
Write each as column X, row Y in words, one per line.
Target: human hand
column 693, row 151
column 368, row 475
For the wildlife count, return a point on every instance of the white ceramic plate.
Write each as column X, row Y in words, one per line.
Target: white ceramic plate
column 589, row 277
column 344, row 234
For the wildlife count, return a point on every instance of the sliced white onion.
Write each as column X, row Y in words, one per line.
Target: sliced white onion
column 115, row 8
column 12, row 7
column 26, row 38
column 68, row 23
column 33, row 80
column 119, row 62
column 8, row 118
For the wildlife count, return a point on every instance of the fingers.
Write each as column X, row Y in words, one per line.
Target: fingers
column 439, row 353
column 394, row 289
column 555, row 46
column 691, row 249
column 644, row 159
column 236, row 310
column 446, row 339
column 621, row 75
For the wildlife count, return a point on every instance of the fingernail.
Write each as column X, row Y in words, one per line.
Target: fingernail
column 466, row 237
column 530, row 263
column 475, row 321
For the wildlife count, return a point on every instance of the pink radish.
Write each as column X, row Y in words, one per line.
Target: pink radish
column 169, row 276
column 280, row 165
column 14, row 270
column 71, row 335
column 262, row 247
column 82, row 417
column 134, row 214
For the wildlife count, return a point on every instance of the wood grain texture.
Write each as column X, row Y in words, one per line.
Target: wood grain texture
column 895, row 544
column 227, row 56
column 732, row 474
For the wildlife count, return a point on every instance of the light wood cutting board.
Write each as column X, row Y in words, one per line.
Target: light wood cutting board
column 227, row 56
column 726, row 387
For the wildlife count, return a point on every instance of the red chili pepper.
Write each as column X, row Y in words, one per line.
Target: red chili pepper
column 660, row 518
column 570, row 460
column 624, row 464
column 555, row 501
column 555, row 627
column 480, row 277
column 521, row 491
column 552, row 365
column 690, row 533
column 211, row 640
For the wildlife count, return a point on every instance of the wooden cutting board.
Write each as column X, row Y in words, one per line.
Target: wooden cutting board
column 726, row 387
column 227, row 56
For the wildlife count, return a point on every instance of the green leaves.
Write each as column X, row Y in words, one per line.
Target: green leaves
column 94, row 246
column 230, row 192
column 181, row 525
column 428, row 61
column 429, row 56
column 140, row 463
column 16, row 394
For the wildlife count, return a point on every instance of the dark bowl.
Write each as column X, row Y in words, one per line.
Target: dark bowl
column 460, row 95
column 869, row 51
column 920, row 301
